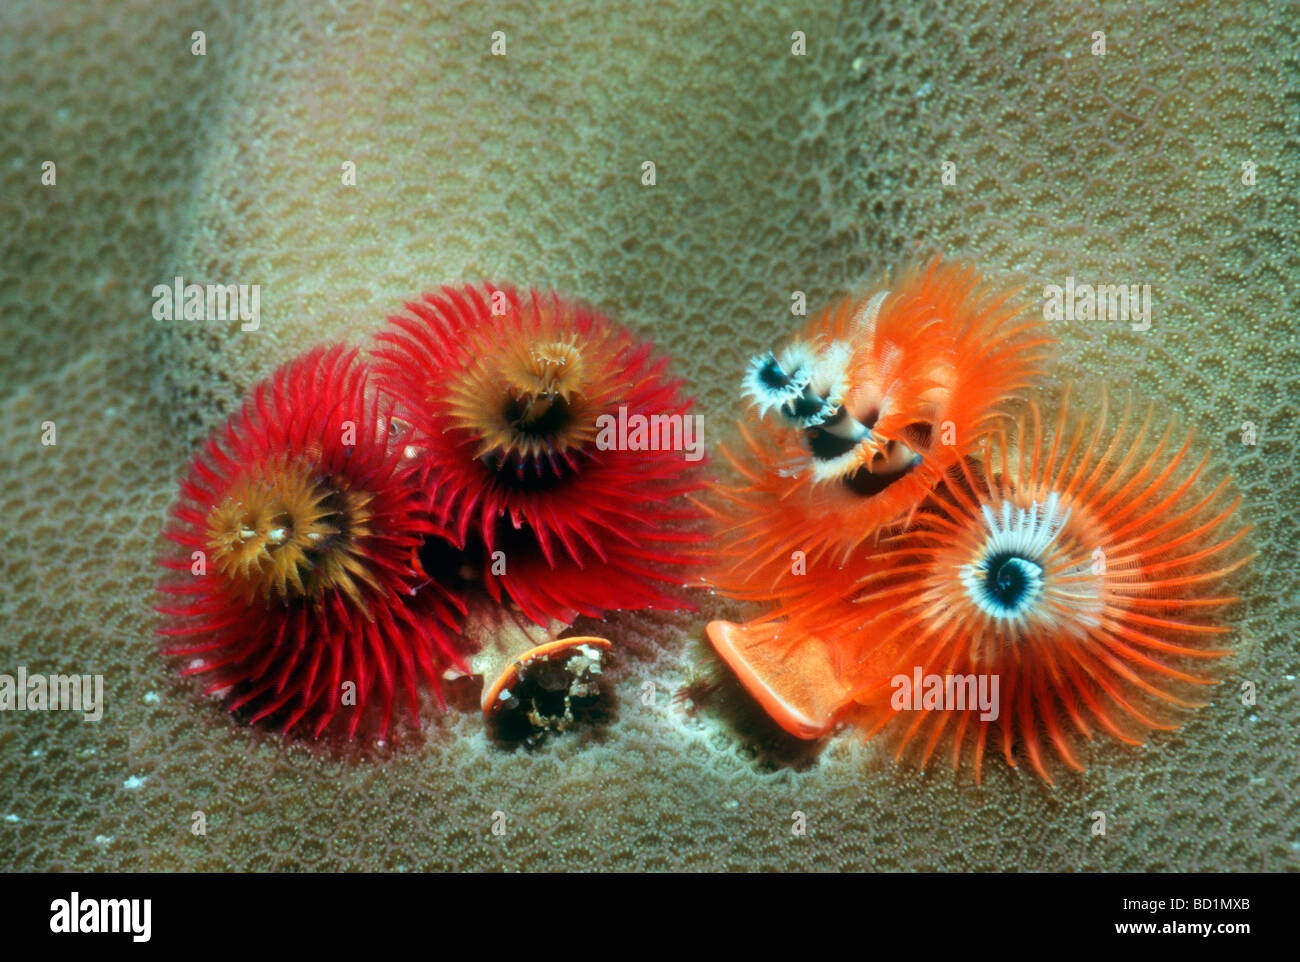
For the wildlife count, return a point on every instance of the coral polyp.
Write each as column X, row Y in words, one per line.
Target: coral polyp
column 299, row 588
column 522, row 410
column 1079, row 574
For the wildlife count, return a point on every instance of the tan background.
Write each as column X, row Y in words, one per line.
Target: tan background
column 775, row 173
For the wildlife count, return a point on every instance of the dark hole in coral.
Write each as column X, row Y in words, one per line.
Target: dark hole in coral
column 468, row 566
column 449, row 566
column 550, row 697
column 550, row 677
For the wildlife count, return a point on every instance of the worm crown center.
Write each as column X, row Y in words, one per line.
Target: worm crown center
column 288, row 533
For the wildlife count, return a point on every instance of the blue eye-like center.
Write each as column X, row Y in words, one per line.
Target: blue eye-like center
column 1011, row 582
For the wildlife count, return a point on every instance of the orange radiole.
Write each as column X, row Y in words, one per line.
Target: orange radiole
column 891, row 518
column 863, row 413
column 860, row 416
column 1083, row 569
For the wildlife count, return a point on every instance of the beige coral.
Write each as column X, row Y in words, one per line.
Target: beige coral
column 774, row 174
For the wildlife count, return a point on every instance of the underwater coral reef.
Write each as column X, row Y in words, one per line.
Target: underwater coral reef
column 647, row 684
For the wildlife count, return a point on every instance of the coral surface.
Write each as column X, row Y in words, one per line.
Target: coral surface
column 774, row 173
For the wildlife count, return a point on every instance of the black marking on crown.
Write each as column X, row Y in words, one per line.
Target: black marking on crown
column 772, row 376
column 548, row 424
column 806, row 405
column 868, row 484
